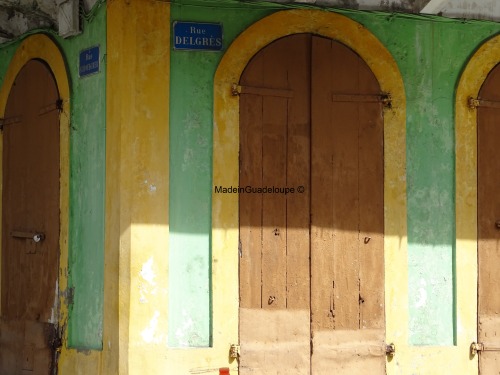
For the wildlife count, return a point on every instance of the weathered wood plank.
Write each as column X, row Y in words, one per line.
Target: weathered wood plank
column 298, row 173
column 345, row 168
column 323, row 304
column 371, row 205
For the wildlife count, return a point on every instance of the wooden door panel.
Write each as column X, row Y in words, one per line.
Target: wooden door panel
column 250, row 205
column 274, row 270
column 488, row 235
column 30, row 204
column 347, row 250
column 315, row 258
column 272, row 226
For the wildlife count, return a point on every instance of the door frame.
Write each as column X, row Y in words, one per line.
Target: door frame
column 41, row 47
column 473, row 76
column 225, row 260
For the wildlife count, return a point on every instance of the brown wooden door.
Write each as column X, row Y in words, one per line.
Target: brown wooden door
column 311, row 262
column 488, row 134
column 30, row 206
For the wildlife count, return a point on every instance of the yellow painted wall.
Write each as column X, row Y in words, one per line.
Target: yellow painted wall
column 138, row 40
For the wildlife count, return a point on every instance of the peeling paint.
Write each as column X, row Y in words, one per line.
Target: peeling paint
column 54, row 315
column 147, row 272
column 422, row 297
column 149, row 333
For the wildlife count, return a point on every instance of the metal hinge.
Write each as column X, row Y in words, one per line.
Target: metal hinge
column 57, row 106
column 390, row 350
column 476, row 347
column 473, row 103
column 234, row 351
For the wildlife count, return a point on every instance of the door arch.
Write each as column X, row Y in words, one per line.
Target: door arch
column 226, row 169
column 42, row 49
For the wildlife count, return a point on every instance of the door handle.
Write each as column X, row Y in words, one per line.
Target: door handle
column 36, row 237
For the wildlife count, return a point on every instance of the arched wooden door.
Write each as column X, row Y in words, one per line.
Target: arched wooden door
column 488, row 205
column 312, row 260
column 30, row 224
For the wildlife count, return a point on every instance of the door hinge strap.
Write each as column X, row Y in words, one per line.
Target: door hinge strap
column 58, row 105
column 262, row 91
column 384, row 98
column 9, row 121
column 476, row 347
column 475, row 103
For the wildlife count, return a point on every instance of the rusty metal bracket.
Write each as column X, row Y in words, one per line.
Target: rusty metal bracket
column 235, row 89
column 475, row 347
column 390, row 350
column 472, row 103
column 234, row 351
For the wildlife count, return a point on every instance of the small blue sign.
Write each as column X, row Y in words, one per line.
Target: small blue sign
column 89, row 61
column 194, row 36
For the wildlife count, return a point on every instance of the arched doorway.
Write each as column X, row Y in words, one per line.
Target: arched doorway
column 311, row 260
column 226, row 168
column 30, row 222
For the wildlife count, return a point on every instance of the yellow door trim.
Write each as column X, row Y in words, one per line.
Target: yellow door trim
column 225, row 159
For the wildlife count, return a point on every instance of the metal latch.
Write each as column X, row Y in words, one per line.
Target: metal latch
column 234, row 351
column 476, row 347
column 36, row 237
column 390, row 350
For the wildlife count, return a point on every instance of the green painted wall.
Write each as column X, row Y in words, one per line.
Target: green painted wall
column 87, row 176
column 431, row 53
column 191, row 103
column 87, row 171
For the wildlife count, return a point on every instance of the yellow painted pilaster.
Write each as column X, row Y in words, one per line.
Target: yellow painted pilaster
column 138, row 40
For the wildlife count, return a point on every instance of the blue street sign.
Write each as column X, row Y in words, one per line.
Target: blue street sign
column 89, row 61
column 196, row 36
